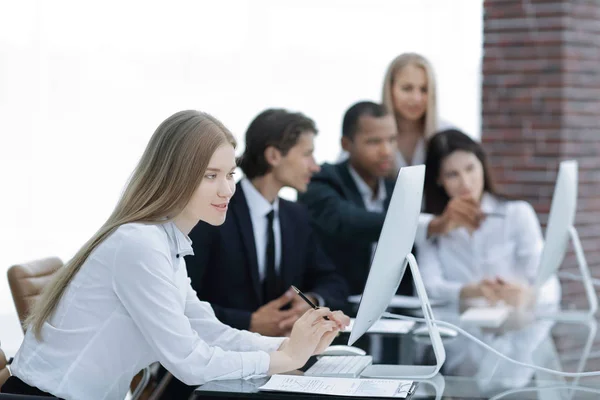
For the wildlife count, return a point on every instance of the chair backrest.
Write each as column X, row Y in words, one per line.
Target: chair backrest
column 4, row 373
column 27, row 280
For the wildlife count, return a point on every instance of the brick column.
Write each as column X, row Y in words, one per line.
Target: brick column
column 541, row 105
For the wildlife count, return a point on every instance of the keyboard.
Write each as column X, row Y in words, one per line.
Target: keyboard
column 339, row 366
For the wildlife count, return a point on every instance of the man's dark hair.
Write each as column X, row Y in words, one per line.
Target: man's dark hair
column 273, row 127
column 352, row 116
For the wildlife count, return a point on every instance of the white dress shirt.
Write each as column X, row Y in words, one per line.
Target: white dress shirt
column 372, row 203
column 131, row 304
column 509, row 247
column 377, row 204
column 259, row 208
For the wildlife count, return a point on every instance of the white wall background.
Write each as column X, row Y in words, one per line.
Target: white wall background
column 83, row 85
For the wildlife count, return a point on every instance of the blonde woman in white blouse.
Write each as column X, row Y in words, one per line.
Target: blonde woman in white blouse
column 124, row 301
column 410, row 94
column 499, row 260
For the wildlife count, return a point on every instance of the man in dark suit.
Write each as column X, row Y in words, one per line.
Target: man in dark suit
column 245, row 267
column 348, row 201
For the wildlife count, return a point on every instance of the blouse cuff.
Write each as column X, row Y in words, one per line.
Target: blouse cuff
column 422, row 227
column 255, row 364
column 453, row 291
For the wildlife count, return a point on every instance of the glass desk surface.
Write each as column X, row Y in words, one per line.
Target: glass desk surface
column 472, row 372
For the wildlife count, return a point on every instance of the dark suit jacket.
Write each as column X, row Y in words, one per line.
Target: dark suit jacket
column 347, row 230
column 224, row 269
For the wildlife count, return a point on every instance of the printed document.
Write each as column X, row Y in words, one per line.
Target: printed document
column 354, row 387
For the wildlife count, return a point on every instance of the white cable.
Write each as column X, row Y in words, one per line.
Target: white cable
column 485, row 346
column 575, row 277
column 551, row 387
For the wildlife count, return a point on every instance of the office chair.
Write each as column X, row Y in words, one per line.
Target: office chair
column 161, row 385
column 4, row 372
column 27, row 280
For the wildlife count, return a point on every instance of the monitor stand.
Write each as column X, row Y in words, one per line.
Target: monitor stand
column 437, row 383
column 586, row 279
column 432, row 387
column 414, row 372
column 583, row 359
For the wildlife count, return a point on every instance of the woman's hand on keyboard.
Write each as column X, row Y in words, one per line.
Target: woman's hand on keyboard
column 311, row 334
column 342, row 321
column 308, row 332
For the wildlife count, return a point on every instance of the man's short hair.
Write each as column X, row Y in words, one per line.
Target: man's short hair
column 273, row 127
column 363, row 108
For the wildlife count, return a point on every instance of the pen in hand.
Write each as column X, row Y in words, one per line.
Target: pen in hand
column 310, row 303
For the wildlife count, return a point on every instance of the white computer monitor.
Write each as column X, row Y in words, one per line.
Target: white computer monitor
column 559, row 230
column 392, row 255
column 560, row 219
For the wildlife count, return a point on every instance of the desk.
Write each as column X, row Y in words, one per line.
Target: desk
column 471, row 372
column 456, row 388
column 240, row 389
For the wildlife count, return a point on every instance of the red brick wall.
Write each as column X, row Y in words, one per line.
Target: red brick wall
column 541, row 105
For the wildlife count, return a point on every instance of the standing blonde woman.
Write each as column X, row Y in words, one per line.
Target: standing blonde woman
column 124, row 301
column 409, row 92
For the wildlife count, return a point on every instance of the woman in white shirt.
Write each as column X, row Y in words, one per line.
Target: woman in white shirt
column 124, row 301
column 499, row 260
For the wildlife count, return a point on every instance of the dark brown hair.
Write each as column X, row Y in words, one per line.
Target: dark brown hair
column 440, row 146
column 273, row 127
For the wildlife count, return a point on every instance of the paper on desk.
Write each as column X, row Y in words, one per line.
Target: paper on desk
column 354, row 387
column 399, row 301
column 386, row 326
column 486, row 317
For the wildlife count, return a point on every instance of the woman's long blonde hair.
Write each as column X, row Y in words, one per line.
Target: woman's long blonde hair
column 430, row 123
column 161, row 185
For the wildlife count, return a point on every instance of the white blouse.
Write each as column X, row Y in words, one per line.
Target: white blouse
column 420, row 154
column 417, row 159
column 130, row 305
column 508, row 246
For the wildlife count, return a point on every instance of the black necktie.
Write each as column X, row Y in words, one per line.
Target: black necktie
column 270, row 288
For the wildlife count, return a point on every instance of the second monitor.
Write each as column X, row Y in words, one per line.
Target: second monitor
column 392, row 256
